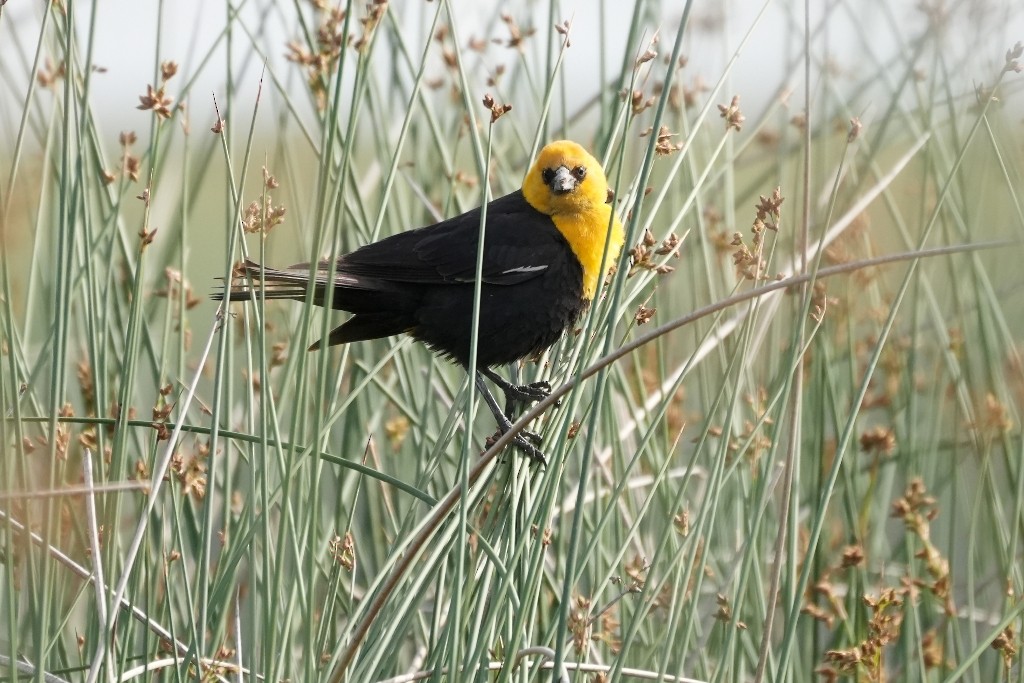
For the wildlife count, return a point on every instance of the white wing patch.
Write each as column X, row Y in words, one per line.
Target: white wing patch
column 524, row 269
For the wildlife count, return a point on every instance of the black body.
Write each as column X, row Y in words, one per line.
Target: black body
column 420, row 282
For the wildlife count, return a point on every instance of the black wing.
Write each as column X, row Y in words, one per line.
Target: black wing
column 520, row 244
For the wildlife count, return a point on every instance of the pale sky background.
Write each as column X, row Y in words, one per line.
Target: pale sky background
column 125, row 31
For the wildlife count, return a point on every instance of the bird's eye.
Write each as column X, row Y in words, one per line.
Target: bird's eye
column 547, row 175
column 580, row 172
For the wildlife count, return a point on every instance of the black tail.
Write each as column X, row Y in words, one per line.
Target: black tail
column 377, row 305
column 367, row 326
column 288, row 283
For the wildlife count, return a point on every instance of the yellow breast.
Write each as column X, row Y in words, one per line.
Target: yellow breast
column 590, row 238
column 582, row 214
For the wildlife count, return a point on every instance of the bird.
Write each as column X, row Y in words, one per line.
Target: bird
column 544, row 247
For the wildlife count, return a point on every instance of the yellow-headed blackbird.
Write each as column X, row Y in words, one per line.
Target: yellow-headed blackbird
column 543, row 249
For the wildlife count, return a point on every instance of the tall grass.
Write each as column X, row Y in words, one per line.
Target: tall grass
column 785, row 441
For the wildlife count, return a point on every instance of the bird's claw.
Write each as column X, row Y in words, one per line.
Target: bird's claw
column 532, row 437
column 530, row 451
column 525, row 441
column 524, row 393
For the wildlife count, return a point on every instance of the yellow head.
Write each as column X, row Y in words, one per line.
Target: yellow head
column 565, row 179
column 569, row 185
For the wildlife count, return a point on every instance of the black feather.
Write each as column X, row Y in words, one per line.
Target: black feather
column 420, row 282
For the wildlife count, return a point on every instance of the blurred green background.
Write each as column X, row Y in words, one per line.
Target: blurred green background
column 818, row 482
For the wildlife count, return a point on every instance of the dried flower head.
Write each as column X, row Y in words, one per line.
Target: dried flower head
column 563, row 30
column 734, row 118
column 1013, row 56
column 516, row 35
column 855, row 128
column 343, row 550
column 880, row 440
column 1006, row 644
column 647, row 56
column 167, row 70
column 644, row 314
column 157, row 101
column 497, row 110
column 49, row 74
column 664, row 145
column 579, row 623
column 637, row 102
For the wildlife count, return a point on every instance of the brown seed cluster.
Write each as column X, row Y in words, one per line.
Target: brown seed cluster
column 724, row 612
column 734, row 118
column 49, row 74
column 1013, row 56
column 638, row 103
column 878, row 440
column 1007, row 645
column 86, row 384
column 579, row 624
column 261, row 216
column 820, row 301
column 681, row 522
column 608, row 634
column 853, row 556
column 162, row 411
column 749, row 443
column 636, row 569
column 918, row 509
column 517, row 35
column 648, row 54
column 189, row 470
column 497, row 110
column 865, row 660
column 156, row 99
column 322, row 57
column 130, row 164
column 931, row 651
column 855, row 128
column 374, row 13
column 644, row 314
column 545, row 536
column 748, row 260
column 642, row 256
column 177, row 286
column 220, row 124
column 995, row 416
column 664, row 145
column 343, row 550
column 563, row 30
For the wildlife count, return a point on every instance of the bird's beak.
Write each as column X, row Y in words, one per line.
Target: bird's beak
column 563, row 181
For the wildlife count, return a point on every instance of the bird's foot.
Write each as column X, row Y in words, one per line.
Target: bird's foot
column 527, row 393
column 519, row 393
column 533, row 437
column 524, row 442
column 519, row 396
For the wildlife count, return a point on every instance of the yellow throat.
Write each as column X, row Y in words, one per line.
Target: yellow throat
column 583, row 215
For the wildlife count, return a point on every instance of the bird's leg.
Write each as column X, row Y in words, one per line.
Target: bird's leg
column 512, row 406
column 505, row 424
column 517, row 393
column 517, row 396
